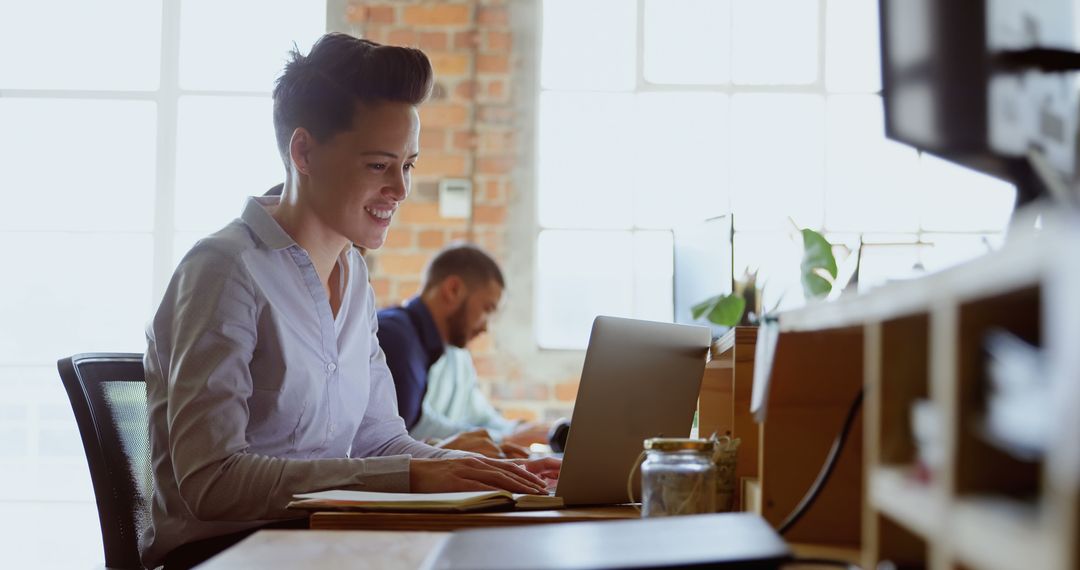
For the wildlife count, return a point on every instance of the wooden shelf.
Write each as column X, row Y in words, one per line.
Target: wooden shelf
column 913, row 505
column 1000, row 534
column 925, row 349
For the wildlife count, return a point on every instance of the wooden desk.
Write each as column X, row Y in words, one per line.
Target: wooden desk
column 292, row 549
column 456, row 521
column 815, row 376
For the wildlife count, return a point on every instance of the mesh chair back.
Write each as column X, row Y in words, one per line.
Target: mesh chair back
column 108, row 395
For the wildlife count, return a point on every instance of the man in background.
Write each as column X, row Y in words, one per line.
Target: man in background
column 424, row 341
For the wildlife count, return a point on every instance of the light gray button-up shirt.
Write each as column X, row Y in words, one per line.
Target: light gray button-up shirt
column 256, row 391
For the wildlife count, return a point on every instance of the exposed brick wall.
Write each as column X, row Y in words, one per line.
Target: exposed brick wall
column 467, row 132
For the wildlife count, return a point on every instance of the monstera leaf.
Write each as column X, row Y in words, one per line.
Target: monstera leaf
column 818, row 265
column 724, row 310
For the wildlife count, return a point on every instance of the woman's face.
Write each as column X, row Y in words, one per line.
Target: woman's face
column 359, row 177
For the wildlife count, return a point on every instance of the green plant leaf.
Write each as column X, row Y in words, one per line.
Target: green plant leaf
column 728, row 311
column 705, row 307
column 817, row 258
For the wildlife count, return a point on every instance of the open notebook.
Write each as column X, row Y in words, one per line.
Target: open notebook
column 421, row 502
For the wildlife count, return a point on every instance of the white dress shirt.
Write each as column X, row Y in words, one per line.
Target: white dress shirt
column 256, row 391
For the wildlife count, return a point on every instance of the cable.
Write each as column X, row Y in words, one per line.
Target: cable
column 826, row 469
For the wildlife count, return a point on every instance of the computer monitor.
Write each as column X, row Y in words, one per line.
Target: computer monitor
column 984, row 83
column 703, row 267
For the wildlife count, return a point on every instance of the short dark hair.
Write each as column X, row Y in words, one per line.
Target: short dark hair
column 320, row 91
column 470, row 263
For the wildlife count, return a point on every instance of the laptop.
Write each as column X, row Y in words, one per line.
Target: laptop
column 640, row 379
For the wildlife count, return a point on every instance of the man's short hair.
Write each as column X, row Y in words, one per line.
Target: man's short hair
column 470, row 263
column 320, row 91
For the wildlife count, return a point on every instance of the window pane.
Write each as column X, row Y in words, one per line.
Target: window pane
column 959, row 199
column 872, row 182
column 78, row 165
column 607, row 27
column 682, row 172
column 38, row 434
column 226, row 151
column 775, row 41
column 952, row 249
column 74, row 44
column 888, row 260
column 75, row 293
column 581, row 275
column 241, row 45
column 688, row 41
column 586, row 140
column 852, row 47
column 654, row 274
column 778, row 162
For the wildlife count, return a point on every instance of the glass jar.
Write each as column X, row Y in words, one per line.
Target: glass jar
column 678, row 477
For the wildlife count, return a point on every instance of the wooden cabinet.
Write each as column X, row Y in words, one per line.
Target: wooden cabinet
column 981, row 506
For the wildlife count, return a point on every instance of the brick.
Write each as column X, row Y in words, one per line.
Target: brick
column 488, row 16
column 492, row 192
column 381, row 287
column 497, row 41
column 501, row 141
column 495, row 114
column 552, row 415
column 567, row 391
column 523, row 414
column 421, row 213
column 520, row 391
column 448, row 64
column 432, row 140
column 434, row 40
column 493, row 63
column 425, row 191
column 444, row 115
column 395, row 264
column 466, row 40
column 492, row 215
column 494, row 165
column 405, row 38
column 491, row 242
column 410, row 286
column 370, row 14
column 442, row 165
column 464, row 141
column 432, row 239
column 496, row 91
column 398, row 238
column 465, row 90
column 459, row 236
column 437, row 15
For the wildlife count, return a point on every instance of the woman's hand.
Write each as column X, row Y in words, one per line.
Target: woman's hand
column 475, row 474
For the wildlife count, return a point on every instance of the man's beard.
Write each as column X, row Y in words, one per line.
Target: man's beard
column 458, row 327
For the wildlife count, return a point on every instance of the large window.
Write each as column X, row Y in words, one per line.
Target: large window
column 655, row 113
column 130, row 129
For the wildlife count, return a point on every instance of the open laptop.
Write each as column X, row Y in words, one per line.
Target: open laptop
column 640, row 379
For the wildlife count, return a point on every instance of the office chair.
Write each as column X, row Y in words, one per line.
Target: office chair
column 108, row 395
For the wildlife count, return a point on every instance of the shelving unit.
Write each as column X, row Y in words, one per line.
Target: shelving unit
column 980, row 508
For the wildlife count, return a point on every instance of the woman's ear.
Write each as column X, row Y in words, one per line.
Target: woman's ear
column 300, row 145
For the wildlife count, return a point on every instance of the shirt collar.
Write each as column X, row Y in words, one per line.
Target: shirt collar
column 258, row 218
column 421, row 318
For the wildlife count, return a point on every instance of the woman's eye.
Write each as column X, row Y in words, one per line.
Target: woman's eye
column 410, row 166
column 377, row 166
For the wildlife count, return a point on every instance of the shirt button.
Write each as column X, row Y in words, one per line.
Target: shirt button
column 330, row 367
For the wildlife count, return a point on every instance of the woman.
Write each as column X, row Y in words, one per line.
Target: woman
column 264, row 374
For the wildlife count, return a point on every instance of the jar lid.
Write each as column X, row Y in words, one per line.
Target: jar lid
column 678, row 444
